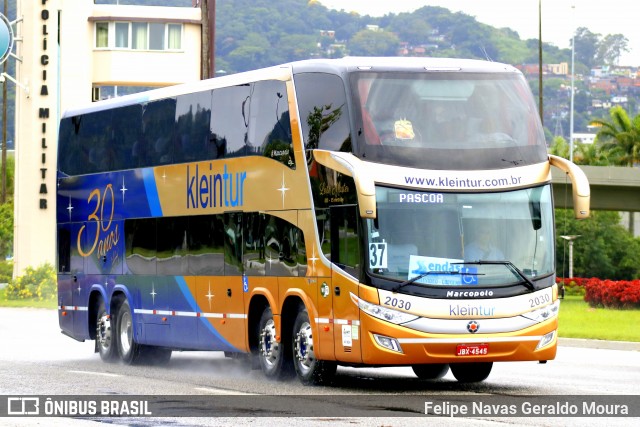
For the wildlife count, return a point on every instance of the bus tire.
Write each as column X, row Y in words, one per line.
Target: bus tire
column 309, row 370
column 128, row 349
column 471, row 372
column 431, row 372
column 106, row 337
column 274, row 358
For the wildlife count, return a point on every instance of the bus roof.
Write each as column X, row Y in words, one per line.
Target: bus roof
column 283, row 72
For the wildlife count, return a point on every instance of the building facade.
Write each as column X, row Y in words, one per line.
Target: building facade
column 69, row 50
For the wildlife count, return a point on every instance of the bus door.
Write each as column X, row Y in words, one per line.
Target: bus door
column 68, row 270
column 318, row 280
column 346, row 256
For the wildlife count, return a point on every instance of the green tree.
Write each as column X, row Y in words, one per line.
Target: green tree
column 611, row 47
column 586, row 46
column 374, row 43
column 620, row 136
column 605, row 249
column 559, row 147
column 6, row 229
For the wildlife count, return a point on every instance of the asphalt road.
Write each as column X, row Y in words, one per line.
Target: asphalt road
column 36, row 359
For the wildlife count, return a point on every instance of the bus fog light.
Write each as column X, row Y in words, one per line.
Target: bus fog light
column 546, row 340
column 386, row 342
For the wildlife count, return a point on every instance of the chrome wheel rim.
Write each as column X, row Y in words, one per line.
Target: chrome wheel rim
column 304, row 347
column 269, row 348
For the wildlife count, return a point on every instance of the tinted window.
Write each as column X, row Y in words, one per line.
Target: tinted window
column 193, row 140
column 158, row 124
column 269, row 123
column 172, row 246
column 140, row 245
column 230, row 112
column 322, row 104
column 233, row 244
column 206, row 239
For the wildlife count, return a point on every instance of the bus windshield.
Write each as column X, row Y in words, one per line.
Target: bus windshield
column 448, row 113
column 461, row 239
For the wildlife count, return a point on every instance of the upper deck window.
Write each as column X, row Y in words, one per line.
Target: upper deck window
column 447, row 113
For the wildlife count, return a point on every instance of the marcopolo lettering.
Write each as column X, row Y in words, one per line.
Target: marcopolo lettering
column 210, row 190
column 469, row 294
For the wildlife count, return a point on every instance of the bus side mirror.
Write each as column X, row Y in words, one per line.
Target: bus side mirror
column 581, row 190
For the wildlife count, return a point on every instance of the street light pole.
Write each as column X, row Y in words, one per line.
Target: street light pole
column 570, row 239
column 573, row 52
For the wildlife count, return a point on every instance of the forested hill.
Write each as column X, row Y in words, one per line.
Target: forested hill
column 255, row 33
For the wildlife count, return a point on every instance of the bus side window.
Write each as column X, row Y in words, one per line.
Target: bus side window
column 172, row 246
column 140, row 245
column 64, row 249
column 233, row 243
column 230, row 112
column 323, row 217
column 206, row 241
column 345, row 247
column 253, row 257
column 322, row 105
column 269, row 123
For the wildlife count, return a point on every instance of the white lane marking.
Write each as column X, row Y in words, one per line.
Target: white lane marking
column 102, row 374
column 223, row 391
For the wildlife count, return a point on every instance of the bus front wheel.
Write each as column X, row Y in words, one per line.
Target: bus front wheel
column 431, row 372
column 271, row 349
column 309, row 369
column 471, row 372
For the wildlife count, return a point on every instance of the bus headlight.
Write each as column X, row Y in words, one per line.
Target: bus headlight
column 383, row 313
column 543, row 313
column 388, row 343
column 546, row 340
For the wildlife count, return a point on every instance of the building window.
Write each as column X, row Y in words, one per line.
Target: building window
column 138, row 35
column 102, row 34
column 174, row 38
column 122, row 35
column 156, row 36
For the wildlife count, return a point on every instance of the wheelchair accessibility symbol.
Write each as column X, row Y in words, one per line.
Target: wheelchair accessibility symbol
column 245, row 284
column 469, row 276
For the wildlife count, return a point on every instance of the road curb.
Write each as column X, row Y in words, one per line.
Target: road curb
column 601, row 344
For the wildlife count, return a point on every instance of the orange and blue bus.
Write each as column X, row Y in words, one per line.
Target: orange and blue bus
column 352, row 212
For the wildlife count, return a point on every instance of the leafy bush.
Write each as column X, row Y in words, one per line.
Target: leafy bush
column 613, row 294
column 573, row 286
column 6, row 271
column 38, row 284
column 604, row 293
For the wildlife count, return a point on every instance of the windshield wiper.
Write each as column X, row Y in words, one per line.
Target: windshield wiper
column 432, row 273
column 528, row 283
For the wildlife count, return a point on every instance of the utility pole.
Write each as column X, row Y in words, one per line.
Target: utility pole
column 207, row 55
column 3, row 196
column 540, row 62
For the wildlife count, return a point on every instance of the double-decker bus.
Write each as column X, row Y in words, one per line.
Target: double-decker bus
column 356, row 212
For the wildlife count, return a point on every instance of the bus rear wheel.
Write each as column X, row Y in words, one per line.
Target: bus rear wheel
column 128, row 349
column 105, row 335
column 309, row 369
column 431, row 372
column 274, row 359
column 471, row 372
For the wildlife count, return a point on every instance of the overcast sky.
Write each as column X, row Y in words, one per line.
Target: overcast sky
column 559, row 20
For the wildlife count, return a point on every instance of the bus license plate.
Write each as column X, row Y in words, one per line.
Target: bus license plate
column 472, row 350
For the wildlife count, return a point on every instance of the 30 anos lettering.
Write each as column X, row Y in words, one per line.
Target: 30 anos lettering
column 105, row 244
